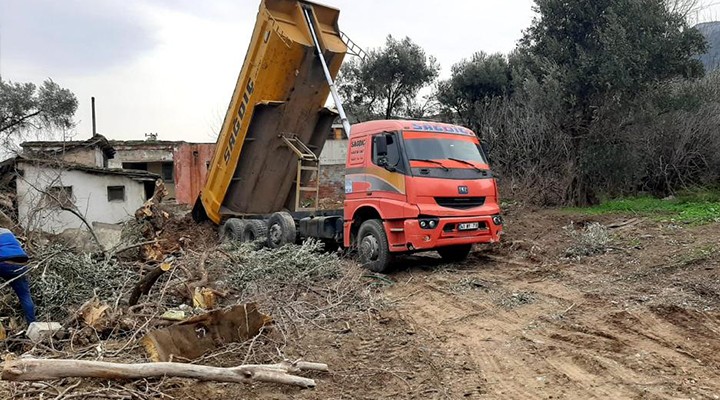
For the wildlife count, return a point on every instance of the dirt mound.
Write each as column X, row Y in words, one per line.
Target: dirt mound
column 194, row 236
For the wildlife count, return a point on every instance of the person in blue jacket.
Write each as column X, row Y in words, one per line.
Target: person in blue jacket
column 13, row 269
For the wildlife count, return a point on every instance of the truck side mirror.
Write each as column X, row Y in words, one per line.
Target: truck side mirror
column 381, row 149
column 485, row 147
column 381, row 145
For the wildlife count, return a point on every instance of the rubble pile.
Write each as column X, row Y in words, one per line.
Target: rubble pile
column 170, row 278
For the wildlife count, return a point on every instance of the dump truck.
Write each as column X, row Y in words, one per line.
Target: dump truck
column 410, row 185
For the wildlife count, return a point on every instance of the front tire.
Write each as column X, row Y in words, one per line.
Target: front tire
column 455, row 253
column 373, row 246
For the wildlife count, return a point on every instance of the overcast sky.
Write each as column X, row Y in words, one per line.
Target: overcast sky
column 169, row 66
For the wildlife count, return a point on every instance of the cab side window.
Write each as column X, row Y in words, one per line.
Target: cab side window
column 394, row 158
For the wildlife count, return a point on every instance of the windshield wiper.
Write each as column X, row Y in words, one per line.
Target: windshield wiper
column 467, row 163
column 431, row 161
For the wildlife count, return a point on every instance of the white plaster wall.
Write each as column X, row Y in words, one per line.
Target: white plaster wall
column 334, row 152
column 89, row 193
column 139, row 155
column 99, row 157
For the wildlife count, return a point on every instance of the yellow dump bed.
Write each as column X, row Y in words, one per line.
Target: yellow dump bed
column 281, row 90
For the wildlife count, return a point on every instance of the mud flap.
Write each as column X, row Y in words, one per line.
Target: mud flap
column 198, row 211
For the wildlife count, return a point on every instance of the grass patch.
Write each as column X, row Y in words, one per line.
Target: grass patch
column 696, row 207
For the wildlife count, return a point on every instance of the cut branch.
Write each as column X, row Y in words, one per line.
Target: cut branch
column 43, row 370
column 203, row 277
column 146, row 283
column 136, row 245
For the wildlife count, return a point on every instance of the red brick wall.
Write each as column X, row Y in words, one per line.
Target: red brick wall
column 332, row 187
column 332, row 182
column 191, row 170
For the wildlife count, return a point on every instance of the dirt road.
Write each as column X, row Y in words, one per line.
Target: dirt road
column 640, row 321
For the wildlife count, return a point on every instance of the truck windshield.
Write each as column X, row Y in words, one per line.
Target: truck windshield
column 443, row 149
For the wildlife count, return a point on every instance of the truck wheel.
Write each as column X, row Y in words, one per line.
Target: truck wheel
column 455, row 253
column 232, row 230
column 373, row 246
column 280, row 230
column 255, row 229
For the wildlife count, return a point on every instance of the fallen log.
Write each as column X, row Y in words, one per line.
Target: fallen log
column 29, row 369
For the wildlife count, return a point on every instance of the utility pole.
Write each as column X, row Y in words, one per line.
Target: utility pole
column 93, row 115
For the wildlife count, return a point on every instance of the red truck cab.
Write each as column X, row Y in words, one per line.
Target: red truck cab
column 417, row 186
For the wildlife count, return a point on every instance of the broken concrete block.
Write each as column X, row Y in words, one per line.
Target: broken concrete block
column 37, row 331
column 174, row 315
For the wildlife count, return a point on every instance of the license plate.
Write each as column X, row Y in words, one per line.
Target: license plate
column 468, row 226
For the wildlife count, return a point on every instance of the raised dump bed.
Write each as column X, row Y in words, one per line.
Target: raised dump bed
column 278, row 104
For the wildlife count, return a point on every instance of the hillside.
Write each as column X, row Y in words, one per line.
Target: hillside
column 711, row 30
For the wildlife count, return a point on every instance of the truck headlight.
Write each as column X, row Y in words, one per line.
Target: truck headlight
column 429, row 223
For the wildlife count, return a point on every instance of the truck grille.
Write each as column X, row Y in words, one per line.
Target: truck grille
column 461, row 203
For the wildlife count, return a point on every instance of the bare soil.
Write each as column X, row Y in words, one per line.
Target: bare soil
column 518, row 320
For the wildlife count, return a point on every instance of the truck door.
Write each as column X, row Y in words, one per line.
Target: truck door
column 356, row 185
column 386, row 175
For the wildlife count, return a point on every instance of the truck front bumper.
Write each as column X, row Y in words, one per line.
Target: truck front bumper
column 449, row 232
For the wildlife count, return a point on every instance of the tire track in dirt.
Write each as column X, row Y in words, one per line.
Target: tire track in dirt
column 563, row 344
column 585, row 358
column 640, row 350
column 581, row 375
column 490, row 333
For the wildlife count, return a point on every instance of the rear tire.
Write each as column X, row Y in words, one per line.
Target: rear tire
column 280, row 230
column 455, row 253
column 255, row 230
column 232, row 230
column 373, row 246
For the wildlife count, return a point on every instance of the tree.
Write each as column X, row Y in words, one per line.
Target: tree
column 604, row 53
column 386, row 82
column 685, row 8
column 611, row 46
column 24, row 107
column 478, row 80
